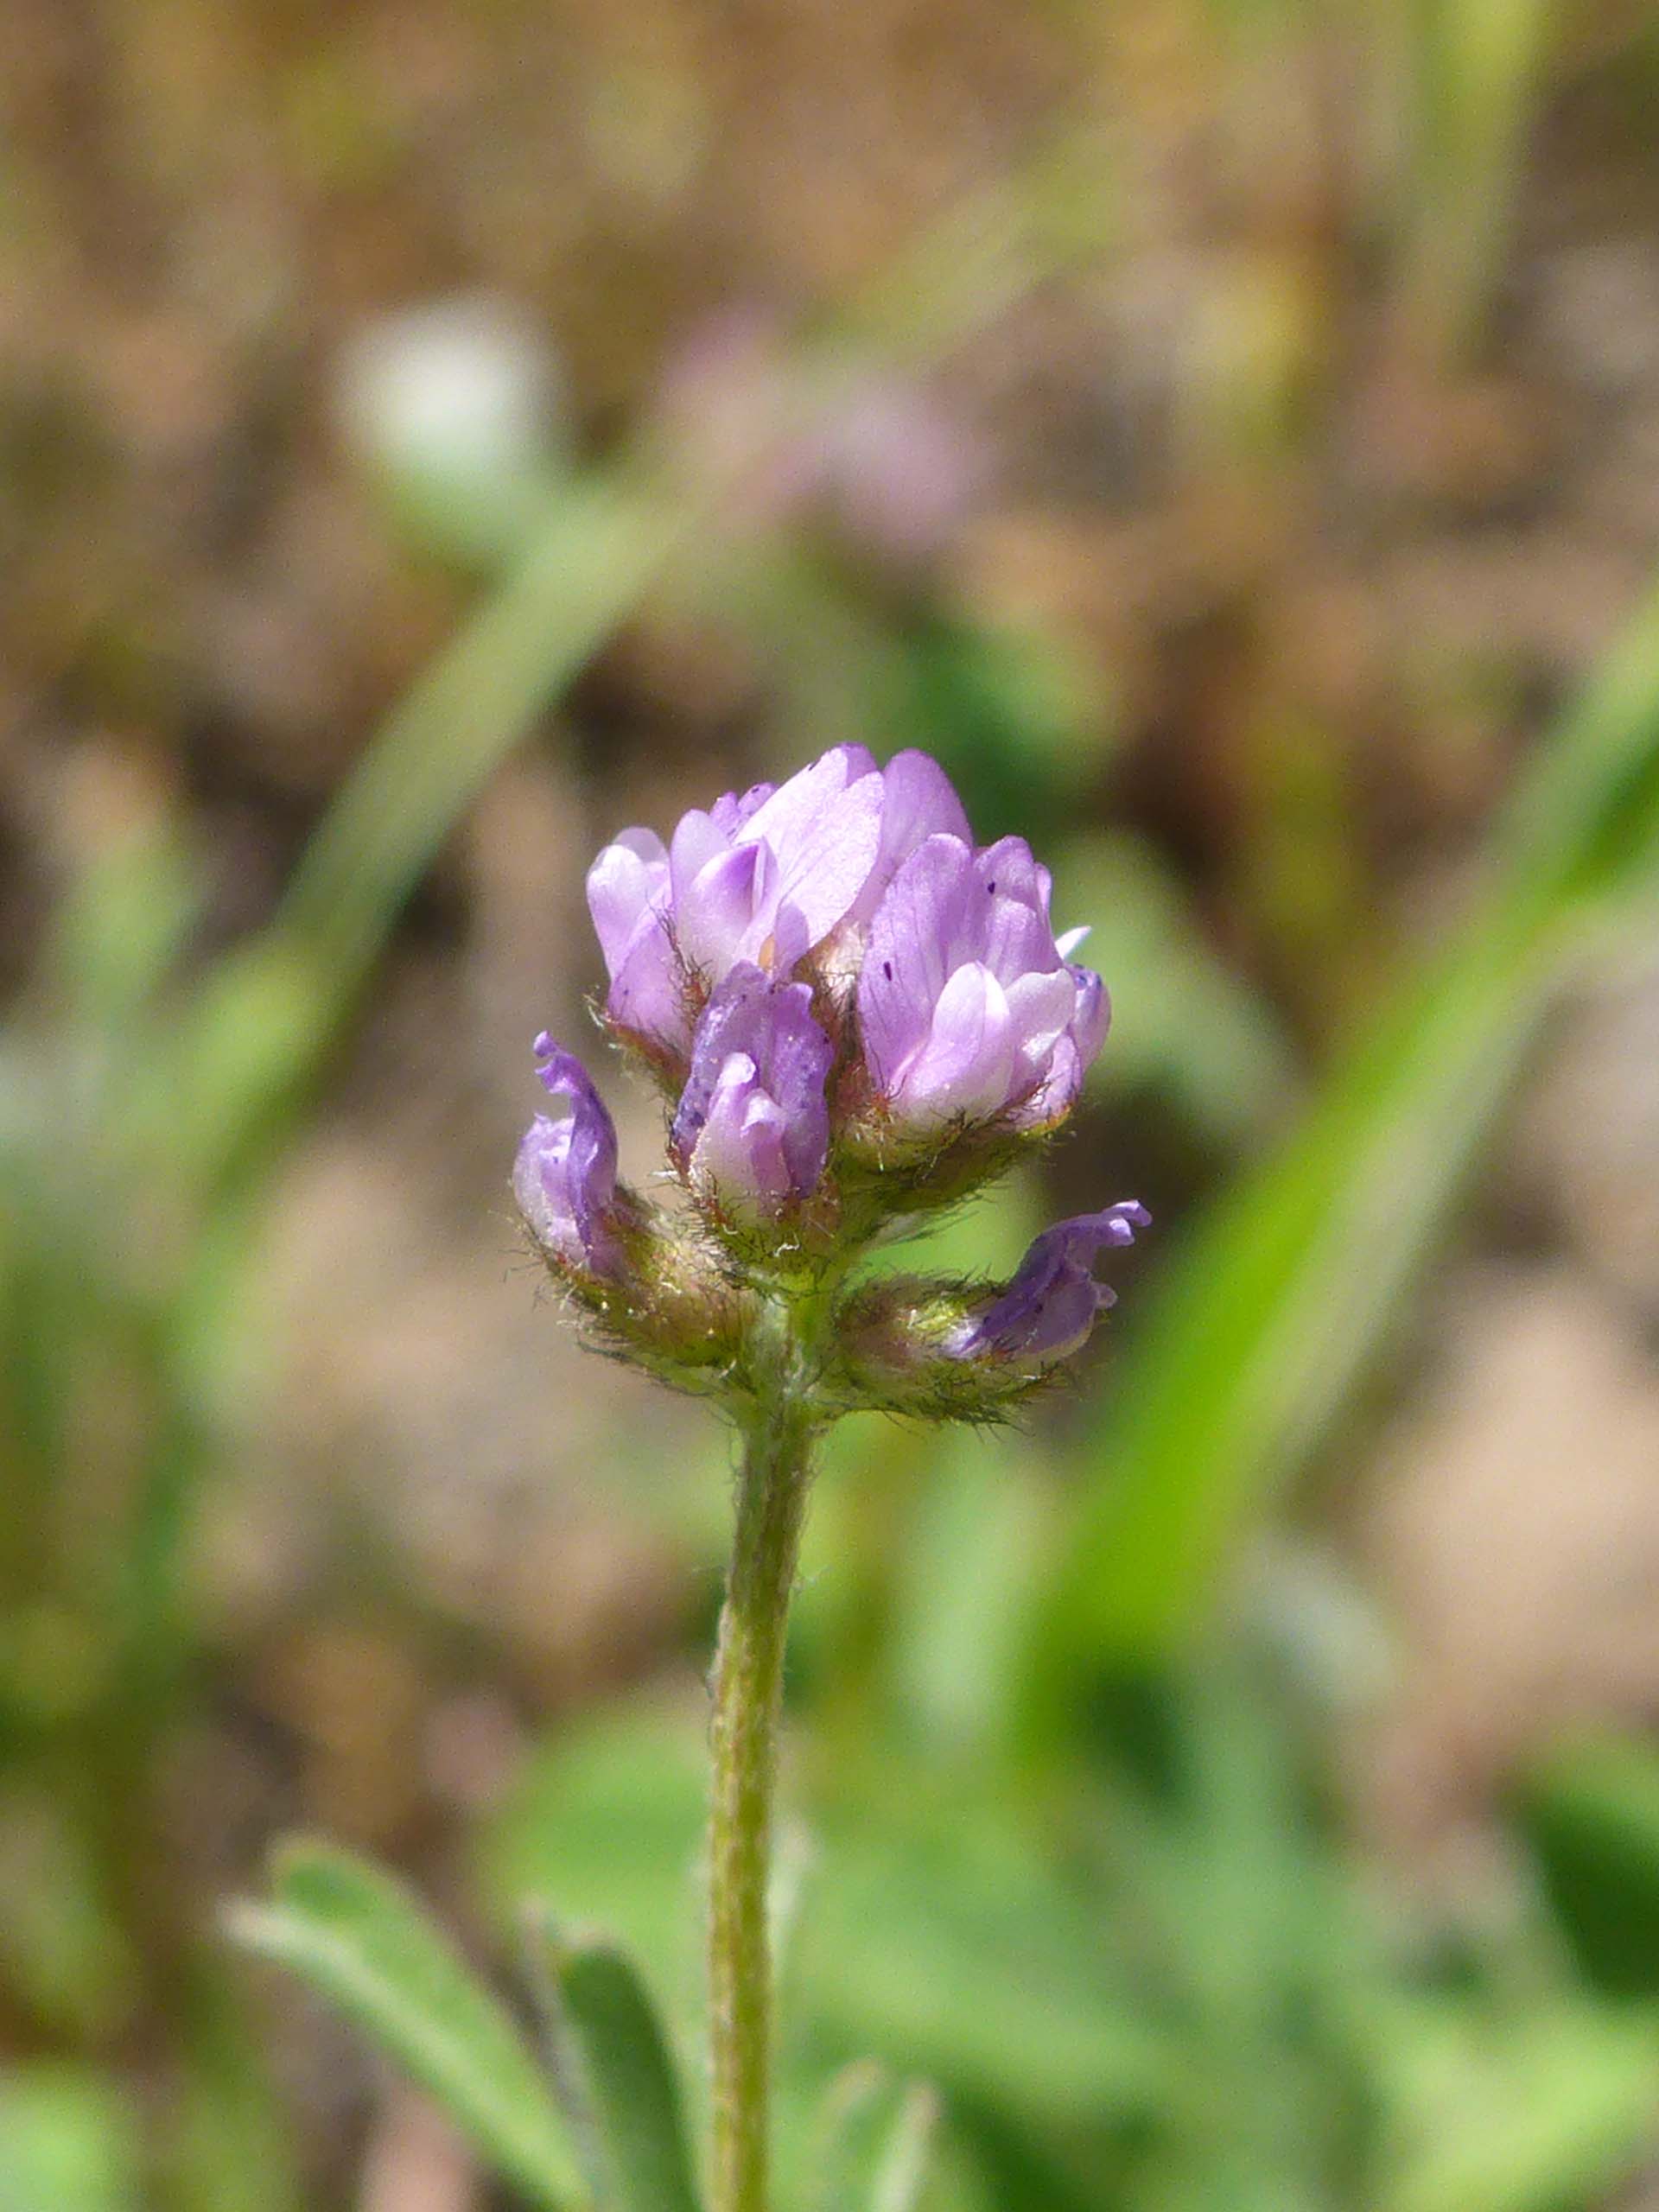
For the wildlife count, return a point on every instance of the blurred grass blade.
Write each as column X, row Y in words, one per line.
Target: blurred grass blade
column 268, row 1013
column 627, row 2076
column 849, row 2129
column 902, row 2174
column 1277, row 1303
column 1478, row 68
column 361, row 1941
column 874, row 2143
column 120, row 931
column 597, row 551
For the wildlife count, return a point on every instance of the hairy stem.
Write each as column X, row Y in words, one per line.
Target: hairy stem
column 748, row 1685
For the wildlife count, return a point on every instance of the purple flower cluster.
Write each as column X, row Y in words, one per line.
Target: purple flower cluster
column 967, row 1005
column 833, row 981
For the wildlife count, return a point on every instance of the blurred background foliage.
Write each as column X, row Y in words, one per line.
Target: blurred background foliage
column 1225, row 432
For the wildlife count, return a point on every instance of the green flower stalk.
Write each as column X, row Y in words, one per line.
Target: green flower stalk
column 855, row 1017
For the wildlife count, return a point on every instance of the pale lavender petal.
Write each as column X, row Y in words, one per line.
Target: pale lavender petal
column 732, row 810
column 1015, row 940
column 907, row 964
column 778, row 937
column 1093, row 1017
column 698, row 839
column 741, row 1154
column 541, row 1187
column 1056, row 1089
column 1007, row 870
column 967, row 1064
column 918, row 802
column 714, row 914
column 825, row 861
column 1040, row 1009
column 791, row 812
column 949, row 914
column 648, row 994
column 626, row 884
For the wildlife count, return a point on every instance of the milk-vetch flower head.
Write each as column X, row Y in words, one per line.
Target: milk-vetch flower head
column 762, row 879
column 564, row 1179
column 1050, row 1307
column 968, row 1008
column 861, row 1018
column 752, row 1130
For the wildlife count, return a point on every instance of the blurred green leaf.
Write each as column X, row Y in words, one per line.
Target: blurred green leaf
column 963, row 1583
column 1007, row 711
column 931, row 1934
column 625, row 2074
column 363, row 1942
column 939, row 1940
column 1279, row 1300
column 609, row 1821
column 67, row 2143
column 850, row 2131
column 122, row 928
column 1542, row 2112
column 902, row 2171
column 1591, row 1810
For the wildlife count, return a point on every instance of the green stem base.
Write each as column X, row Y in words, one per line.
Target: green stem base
column 748, row 1688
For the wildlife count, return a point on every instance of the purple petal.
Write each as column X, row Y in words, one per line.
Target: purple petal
column 824, row 858
column 950, row 914
column 741, row 1152
column 714, row 914
column 698, row 839
column 648, row 994
column 967, row 1064
column 791, row 812
column 918, row 802
column 754, row 1121
column 906, row 965
column 1093, row 1017
column 730, row 811
column 626, row 885
column 540, row 1186
column 565, row 1176
column 1008, row 870
column 1049, row 1308
column 629, row 897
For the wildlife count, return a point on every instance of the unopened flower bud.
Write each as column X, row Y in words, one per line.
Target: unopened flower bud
column 862, row 1018
column 752, row 1127
column 565, row 1176
column 1050, row 1307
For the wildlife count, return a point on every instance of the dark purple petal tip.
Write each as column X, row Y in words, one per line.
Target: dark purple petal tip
column 565, row 1176
column 1050, row 1306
